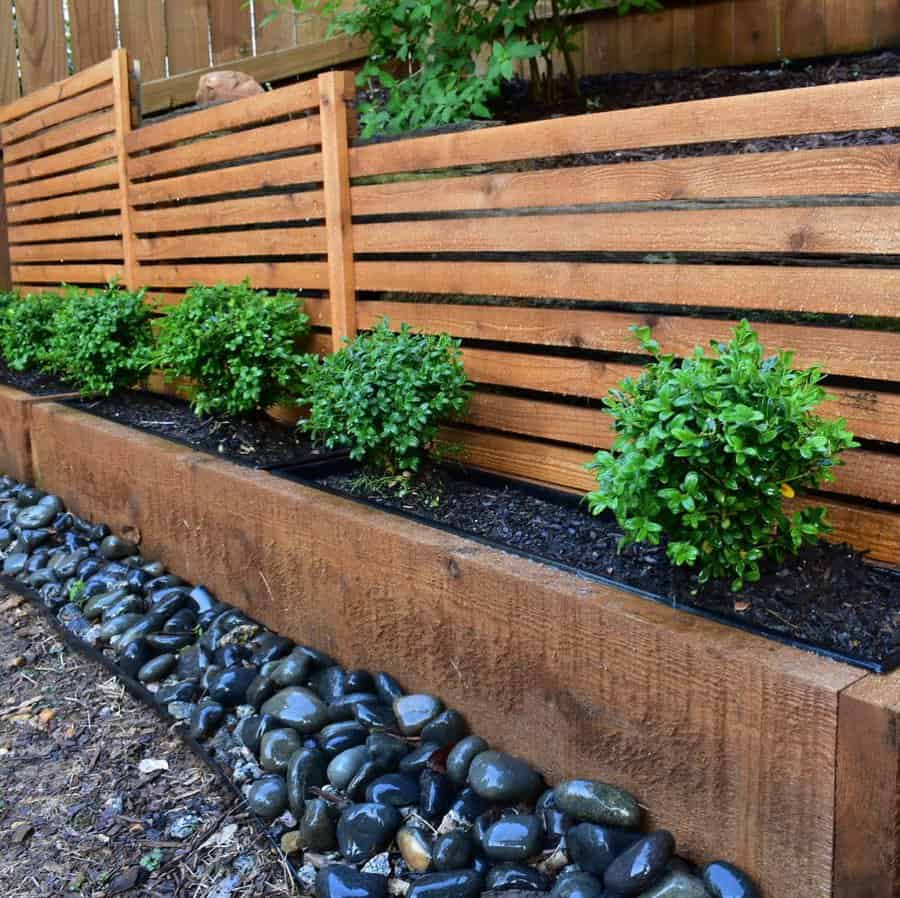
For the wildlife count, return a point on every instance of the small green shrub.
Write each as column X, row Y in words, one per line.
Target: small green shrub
column 7, row 298
column 708, row 449
column 26, row 326
column 385, row 395
column 238, row 346
column 101, row 338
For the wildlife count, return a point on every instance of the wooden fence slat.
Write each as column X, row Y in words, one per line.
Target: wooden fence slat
column 295, row 98
column 255, row 142
column 99, row 226
column 5, row 271
column 756, row 31
column 229, row 30
column 849, row 25
column 836, row 107
column 224, row 213
column 42, row 43
column 824, row 229
column 279, row 275
column 143, row 27
column 93, row 28
column 277, row 34
column 59, row 252
column 861, row 291
column 77, row 204
column 187, row 36
column 887, row 23
column 804, row 28
column 90, row 101
column 9, row 71
column 82, row 156
column 276, row 173
column 122, row 89
column 69, row 274
column 714, row 33
column 56, row 93
column 72, row 182
column 845, row 172
column 64, row 135
column 277, row 242
column 336, row 89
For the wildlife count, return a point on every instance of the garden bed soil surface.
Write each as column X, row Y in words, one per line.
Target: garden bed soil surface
column 828, row 595
column 33, row 382
column 77, row 817
column 256, row 441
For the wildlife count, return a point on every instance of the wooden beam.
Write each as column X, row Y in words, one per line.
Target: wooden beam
column 336, row 89
column 122, row 116
column 5, row 273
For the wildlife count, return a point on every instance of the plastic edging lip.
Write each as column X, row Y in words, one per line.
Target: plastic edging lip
column 296, row 473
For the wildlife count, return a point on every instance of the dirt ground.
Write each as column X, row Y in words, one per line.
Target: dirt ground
column 79, row 813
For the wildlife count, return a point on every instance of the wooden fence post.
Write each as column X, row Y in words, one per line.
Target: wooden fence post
column 123, row 116
column 335, row 89
column 5, row 269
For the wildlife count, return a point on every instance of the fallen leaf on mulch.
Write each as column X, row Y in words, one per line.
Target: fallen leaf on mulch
column 20, row 832
column 127, row 880
column 47, row 716
column 13, row 663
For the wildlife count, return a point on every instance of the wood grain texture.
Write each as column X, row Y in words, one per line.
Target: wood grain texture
column 280, row 33
column 757, row 31
column 143, row 27
column 187, row 37
column 66, row 134
column 280, row 242
column 74, row 205
column 9, row 72
column 15, row 434
column 287, row 275
column 65, row 160
column 867, row 824
column 844, row 172
column 42, row 44
column 336, row 90
column 887, row 23
column 872, row 530
column 5, row 272
column 229, row 26
column 804, row 28
column 122, row 89
column 71, row 182
column 68, row 273
column 749, row 725
column 93, row 26
column 836, row 107
column 714, row 35
column 99, row 226
column 89, row 101
column 59, row 252
column 849, row 25
column 864, row 291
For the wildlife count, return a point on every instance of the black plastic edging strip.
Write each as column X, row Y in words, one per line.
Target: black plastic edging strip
column 143, row 695
column 884, row 666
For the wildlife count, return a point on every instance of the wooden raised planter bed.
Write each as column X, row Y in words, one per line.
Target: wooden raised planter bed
column 780, row 760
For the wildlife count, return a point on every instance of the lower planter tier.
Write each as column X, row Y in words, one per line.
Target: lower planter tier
column 739, row 745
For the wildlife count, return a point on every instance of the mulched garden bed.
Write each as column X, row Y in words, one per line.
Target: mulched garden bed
column 827, row 596
column 256, row 441
column 33, row 382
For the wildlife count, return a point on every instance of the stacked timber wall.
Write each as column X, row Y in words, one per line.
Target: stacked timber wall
column 537, row 244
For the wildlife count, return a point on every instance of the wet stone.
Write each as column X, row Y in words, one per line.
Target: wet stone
column 724, row 880
column 341, row 881
column 260, row 689
column 114, row 548
column 364, row 830
column 641, row 866
column 343, row 708
column 338, row 737
column 413, row 712
column 182, row 621
column 556, row 823
column 503, row 778
column 206, row 718
column 677, row 885
column 117, row 626
column 514, row 838
column 446, row 729
column 291, row 671
column 469, row 805
column 156, row 668
column 297, row 707
column 597, row 802
column 452, row 851
column 594, row 847
column 578, row 885
column 268, row 797
column 360, row 680
column 169, row 642
column 229, row 686
column 436, row 794
column 396, row 789
column 330, row 683
column 276, row 748
column 516, row 876
column 183, row 691
column 415, row 847
column 134, row 656
column 344, row 766
column 375, row 717
column 317, row 826
column 305, row 770
column 267, row 647
column 456, row 884
column 370, row 770
column 417, row 760
column 462, row 755
column 388, row 748
column 36, row 516
column 14, row 564
column 136, row 633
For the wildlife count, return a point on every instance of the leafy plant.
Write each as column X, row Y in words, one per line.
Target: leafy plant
column 238, row 346
column 101, row 339
column 385, row 395
column 7, row 298
column 26, row 326
column 708, row 449
column 424, row 54
column 76, row 592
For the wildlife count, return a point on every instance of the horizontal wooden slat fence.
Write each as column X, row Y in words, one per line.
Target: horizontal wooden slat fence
column 536, row 244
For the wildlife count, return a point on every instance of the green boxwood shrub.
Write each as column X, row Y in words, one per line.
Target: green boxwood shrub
column 101, row 339
column 385, row 395
column 26, row 325
column 238, row 345
column 708, row 449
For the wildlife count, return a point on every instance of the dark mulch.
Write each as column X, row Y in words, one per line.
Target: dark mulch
column 828, row 596
column 77, row 815
column 33, row 382
column 256, row 441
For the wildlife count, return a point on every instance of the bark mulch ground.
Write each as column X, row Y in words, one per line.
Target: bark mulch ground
column 77, row 814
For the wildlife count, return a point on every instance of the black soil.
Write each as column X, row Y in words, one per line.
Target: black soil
column 256, row 441
column 33, row 382
column 827, row 596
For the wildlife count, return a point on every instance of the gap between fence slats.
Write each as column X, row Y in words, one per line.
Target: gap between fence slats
column 100, row 98
column 277, row 242
column 80, row 157
column 70, row 183
column 77, row 204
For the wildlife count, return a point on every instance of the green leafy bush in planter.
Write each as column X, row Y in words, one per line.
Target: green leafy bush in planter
column 709, row 448
column 26, row 325
column 238, row 346
column 385, row 395
column 101, row 339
